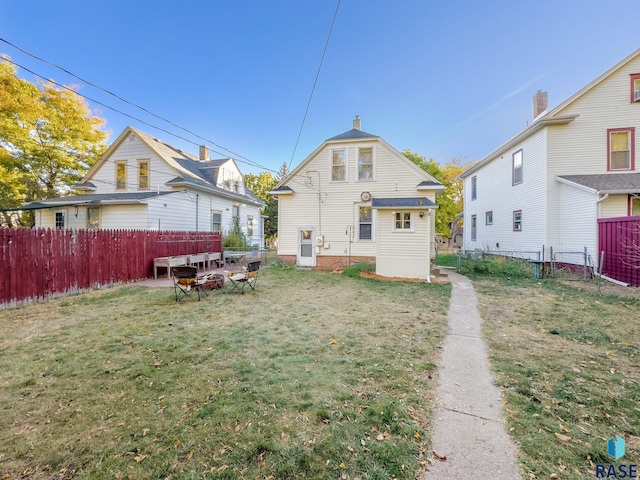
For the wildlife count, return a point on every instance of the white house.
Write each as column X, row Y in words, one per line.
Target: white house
column 356, row 198
column 143, row 183
column 548, row 186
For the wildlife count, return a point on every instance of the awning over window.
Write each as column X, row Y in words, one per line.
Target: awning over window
column 415, row 203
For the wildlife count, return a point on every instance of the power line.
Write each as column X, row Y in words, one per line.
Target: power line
column 315, row 82
column 236, row 155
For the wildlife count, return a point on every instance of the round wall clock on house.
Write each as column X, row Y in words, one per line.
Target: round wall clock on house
column 365, row 196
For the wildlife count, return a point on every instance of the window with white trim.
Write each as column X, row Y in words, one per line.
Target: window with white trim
column 338, row 165
column 93, row 218
column 474, row 227
column 250, row 226
column 516, row 168
column 365, row 217
column 634, row 205
column 517, row 221
column 474, row 187
column 216, row 221
column 620, row 142
column 59, row 220
column 402, row 220
column 365, row 163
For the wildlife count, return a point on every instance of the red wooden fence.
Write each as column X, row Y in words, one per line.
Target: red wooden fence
column 619, row 239
column 39, row 263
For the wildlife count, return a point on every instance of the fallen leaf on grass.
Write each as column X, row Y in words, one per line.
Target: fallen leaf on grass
column 190, row 456
column 140, row 458
column 333, row 341
column 562, row 438
column 439, row 456
column 222, row 468
column 416, row 435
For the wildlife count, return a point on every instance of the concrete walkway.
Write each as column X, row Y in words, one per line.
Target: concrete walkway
column 469, row 429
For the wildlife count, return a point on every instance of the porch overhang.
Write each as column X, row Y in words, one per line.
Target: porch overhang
column 413, row 203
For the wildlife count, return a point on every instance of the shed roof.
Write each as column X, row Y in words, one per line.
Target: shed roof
column 605, row 183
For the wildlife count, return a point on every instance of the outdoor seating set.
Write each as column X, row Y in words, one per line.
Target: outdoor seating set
column 186, row 280
column 206, row 259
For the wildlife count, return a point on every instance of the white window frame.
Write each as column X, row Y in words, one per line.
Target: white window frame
column 90, row 221
column 474, row 228
column 250, row 225
column 400, row 218
column 517, row 220
column 488, row 218
column 360, row 223
column 213, row 221
column 342, row 154
column 517, row 172
column 361, row 164
column 474, row 187
column 59, row 219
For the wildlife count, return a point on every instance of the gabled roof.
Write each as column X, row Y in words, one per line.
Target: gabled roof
column 553, row 117
column 354, row 134
column 190, row 171
column 604, row 183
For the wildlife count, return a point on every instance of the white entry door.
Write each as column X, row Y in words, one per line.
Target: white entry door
column 306, row 248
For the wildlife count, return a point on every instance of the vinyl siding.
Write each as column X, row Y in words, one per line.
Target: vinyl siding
column 331, row 208
column 581, row 146
column 578, row 219
column 495, row 193
column 130, row 152
column 615, row 206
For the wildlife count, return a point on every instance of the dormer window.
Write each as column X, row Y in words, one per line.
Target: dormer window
column 635, row 88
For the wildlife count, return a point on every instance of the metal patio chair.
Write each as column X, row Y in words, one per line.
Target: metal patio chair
column 186, row 282
column 248, row 276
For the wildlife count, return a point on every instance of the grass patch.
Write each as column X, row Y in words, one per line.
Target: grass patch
column 312, row 375
column 568, row 363
column 356, row 269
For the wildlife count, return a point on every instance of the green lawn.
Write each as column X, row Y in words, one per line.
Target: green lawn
column 313, row 375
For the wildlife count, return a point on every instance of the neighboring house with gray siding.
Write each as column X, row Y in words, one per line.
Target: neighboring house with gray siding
column 575, row 164
column 143, row 183
column 356, row 198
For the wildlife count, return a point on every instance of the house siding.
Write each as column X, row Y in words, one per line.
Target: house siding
column 578, row 220
column 496, row 193
column 614, row 206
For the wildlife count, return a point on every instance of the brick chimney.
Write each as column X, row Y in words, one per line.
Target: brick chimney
column 204, row 152
column 356, row 123
column 540, row 103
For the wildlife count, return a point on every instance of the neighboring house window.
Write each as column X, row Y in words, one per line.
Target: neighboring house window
column 517, row 221
column 634, row 206
column 402, row 220
column 235, row 212
column 59, row 219
column 143, row 174
column 249, row 226
column 227, row 185
column 216, row 221
column 93, row 218
column 635, row 88
column 474, row 227
column 365, row 163
column 517, row 167
column 338, row 165
column 489, row 218
column 364, row 223
column 621, row 143
column 236, row 186
column 121, row 175
column 474, row 187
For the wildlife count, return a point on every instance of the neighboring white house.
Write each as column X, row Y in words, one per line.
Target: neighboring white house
column 356, row 198
column 548, row 186
column 143, row 183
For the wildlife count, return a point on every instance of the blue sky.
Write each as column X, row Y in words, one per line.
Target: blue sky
column 444, row 79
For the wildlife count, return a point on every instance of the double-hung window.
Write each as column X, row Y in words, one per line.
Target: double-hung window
column 517, row 167
column 517, row 221
column 121, row 175
column 216, row 221
column 59, row 219
column 621, row 146
column 402, row 220
column 338, row 165
column 474, row 227
column 364, row 223
column 250, row 226
column 635, row 88
column 143, row 174
column 474, row 187
column 488, row 218
column 365, row 163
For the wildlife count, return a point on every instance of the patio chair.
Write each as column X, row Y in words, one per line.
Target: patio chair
column 248, row 276
column 186, row 282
